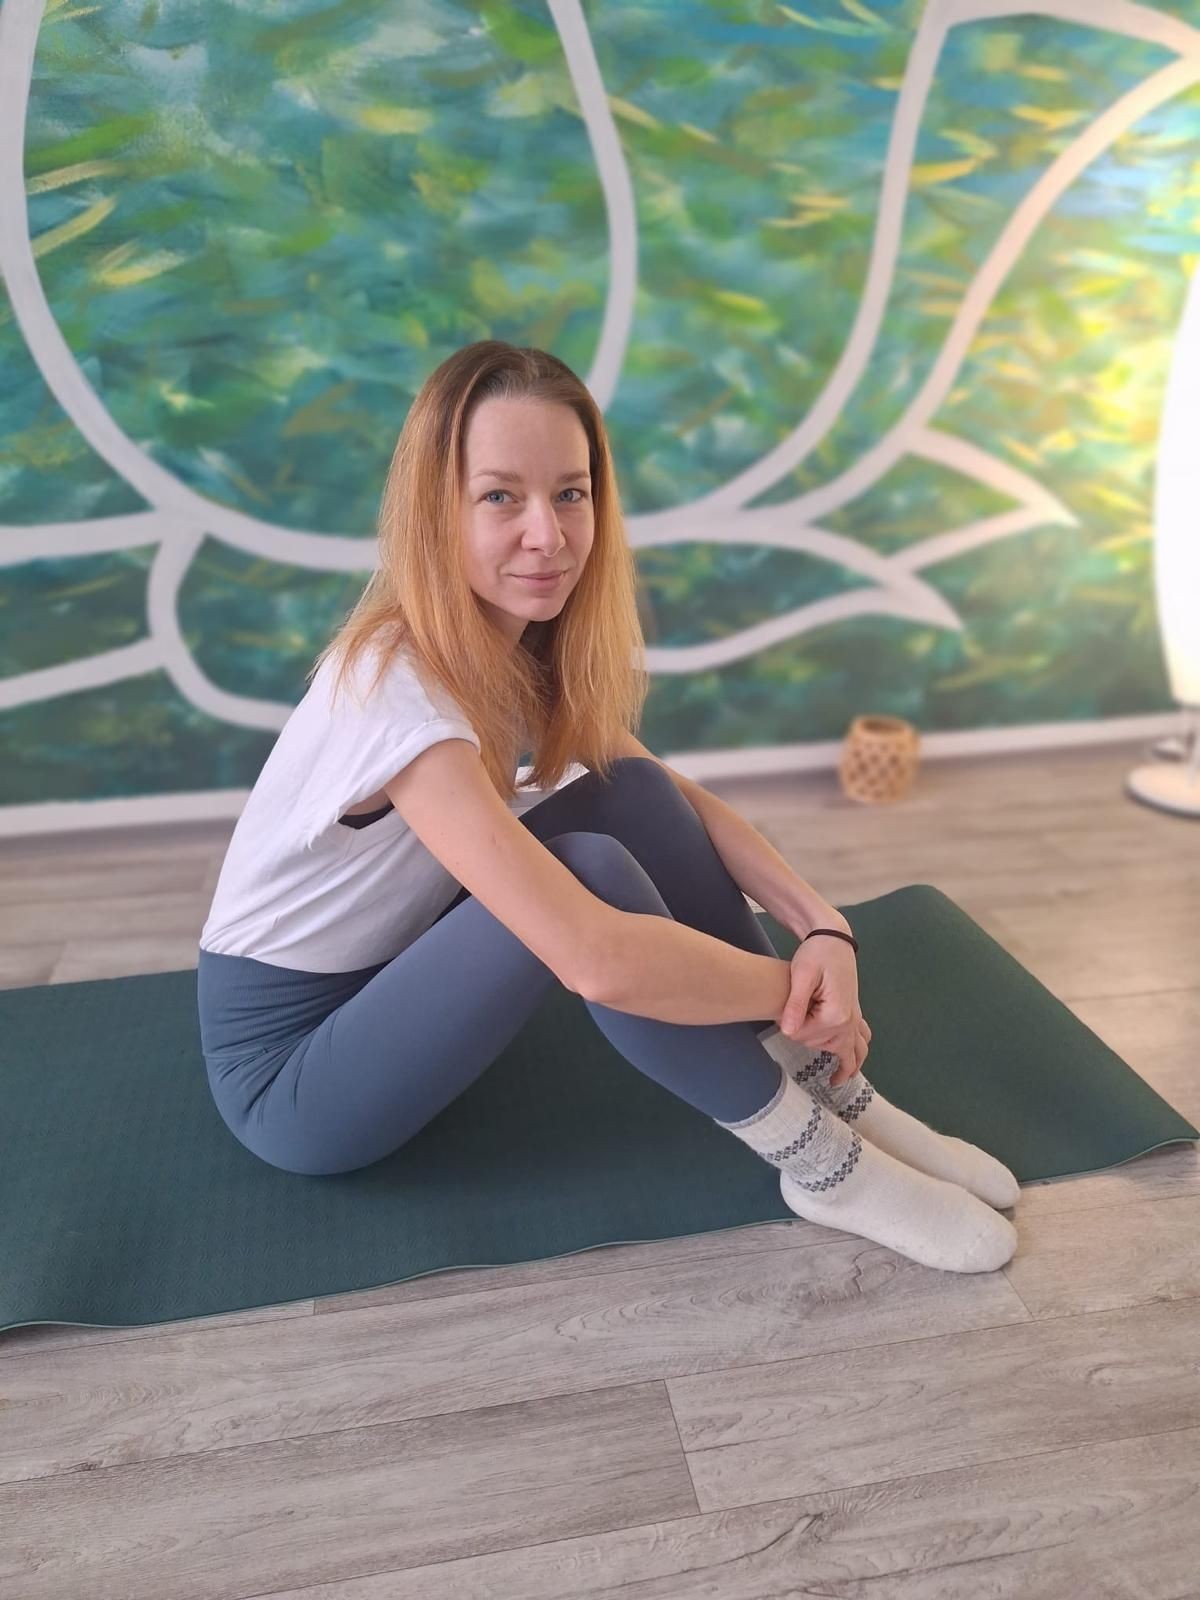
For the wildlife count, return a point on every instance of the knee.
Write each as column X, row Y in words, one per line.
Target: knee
column 638, row 773
column 642, row 773
column 608, row 868
column 586, row 851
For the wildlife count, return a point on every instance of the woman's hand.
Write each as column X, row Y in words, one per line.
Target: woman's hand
column 822, row 1009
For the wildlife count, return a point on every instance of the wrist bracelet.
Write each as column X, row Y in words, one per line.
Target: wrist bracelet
column 837, row 933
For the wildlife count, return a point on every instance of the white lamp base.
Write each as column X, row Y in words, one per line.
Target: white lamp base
column 1172, row 784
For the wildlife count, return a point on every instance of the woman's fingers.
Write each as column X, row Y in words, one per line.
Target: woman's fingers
column 844, row 1070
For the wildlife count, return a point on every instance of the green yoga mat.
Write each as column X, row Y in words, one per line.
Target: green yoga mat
column 126, row 1201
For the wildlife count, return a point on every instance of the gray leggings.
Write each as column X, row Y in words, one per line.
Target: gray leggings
column 349, row 1066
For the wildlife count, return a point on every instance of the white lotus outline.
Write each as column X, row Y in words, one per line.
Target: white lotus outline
column 179, row 518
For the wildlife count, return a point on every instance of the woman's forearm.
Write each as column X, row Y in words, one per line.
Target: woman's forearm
column 757, row 868
column 662, row 968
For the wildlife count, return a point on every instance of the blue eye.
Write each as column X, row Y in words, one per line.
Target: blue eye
column 579, row 492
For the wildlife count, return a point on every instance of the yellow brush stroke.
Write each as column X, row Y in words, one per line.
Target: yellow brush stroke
column 632, row 113
column 810, row 22
column 139, row 271
column 83, row 588
column 74, row 227
column 79, row 11
column 820, row 202
column 964, row 197
column 888, row 83
column 1046, row 118
column 998, row 666
column 798, row 16
column 939, row 308
column 1166, row 141
column 699, row 133
column 1116, row 497
column 743, row 302
column 1062, row 440
column 1026, row 452
column 394, row 119
column 999, row 52
column 117, row 256
column 1030, row 69
column 1085, row 288
column 413, row 329
column 805, row 221
column 1100, row 435
column 180, row 402
column 317, row 416
column 860, row 11
column 1140, row 535
column 970, row 142
column 926, row 172
column 72, row 174
column 1105, row 262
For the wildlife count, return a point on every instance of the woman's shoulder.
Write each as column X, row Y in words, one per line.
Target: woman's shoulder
column 388, row 682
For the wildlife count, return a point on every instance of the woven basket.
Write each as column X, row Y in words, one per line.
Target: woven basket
column 879, row 759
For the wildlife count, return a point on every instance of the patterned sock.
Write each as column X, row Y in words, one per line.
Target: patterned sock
column 795, row 1132
column 829, row 1175
column 860, row 1105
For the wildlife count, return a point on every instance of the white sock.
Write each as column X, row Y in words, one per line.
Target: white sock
column 860, row 1105
column 831, row 1176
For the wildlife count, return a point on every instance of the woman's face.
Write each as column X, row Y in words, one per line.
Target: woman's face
column 527, row 508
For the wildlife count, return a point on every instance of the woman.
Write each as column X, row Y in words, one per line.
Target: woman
column 347, row 993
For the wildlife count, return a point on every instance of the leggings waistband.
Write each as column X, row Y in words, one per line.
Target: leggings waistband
column 247, row 1006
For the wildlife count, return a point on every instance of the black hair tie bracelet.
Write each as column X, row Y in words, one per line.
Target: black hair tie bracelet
column 837, row 933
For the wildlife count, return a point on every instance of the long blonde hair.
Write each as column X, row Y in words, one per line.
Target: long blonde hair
column 575, row 682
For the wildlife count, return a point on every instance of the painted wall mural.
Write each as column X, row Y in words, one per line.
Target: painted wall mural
column 878, row 300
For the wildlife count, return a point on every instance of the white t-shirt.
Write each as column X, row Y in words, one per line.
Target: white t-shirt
column 300, row 889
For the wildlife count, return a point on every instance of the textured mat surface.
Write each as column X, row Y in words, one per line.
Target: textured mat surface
column 125, row 1200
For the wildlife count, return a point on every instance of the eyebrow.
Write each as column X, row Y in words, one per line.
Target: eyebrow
column 515, row 477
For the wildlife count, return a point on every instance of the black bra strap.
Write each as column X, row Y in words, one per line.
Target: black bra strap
column 362, row 818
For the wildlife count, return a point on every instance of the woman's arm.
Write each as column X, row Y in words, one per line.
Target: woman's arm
column 658, row 967
column 752, row 862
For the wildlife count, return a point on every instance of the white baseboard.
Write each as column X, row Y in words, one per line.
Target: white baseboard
column 225, row 805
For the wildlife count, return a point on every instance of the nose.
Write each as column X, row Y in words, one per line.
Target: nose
column 541, row 527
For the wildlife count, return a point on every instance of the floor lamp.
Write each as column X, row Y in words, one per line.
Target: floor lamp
column 1175, row 785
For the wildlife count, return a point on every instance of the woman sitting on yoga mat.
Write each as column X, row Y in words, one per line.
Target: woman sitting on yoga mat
column 385, row 922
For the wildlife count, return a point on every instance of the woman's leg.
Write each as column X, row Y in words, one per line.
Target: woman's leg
column 643, row 807
column 424, row 1027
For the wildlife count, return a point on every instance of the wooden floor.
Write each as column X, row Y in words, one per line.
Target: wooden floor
column 780, row 1410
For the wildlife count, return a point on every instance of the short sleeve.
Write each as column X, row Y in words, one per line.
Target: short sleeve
column 353, row 743
column 374, row 758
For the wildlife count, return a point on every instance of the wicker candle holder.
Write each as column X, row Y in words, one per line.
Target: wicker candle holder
column 879, row 759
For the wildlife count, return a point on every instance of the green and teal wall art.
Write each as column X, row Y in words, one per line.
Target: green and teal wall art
column 879, row 301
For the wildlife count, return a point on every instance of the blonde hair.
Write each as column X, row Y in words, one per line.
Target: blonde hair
column 574, row 682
